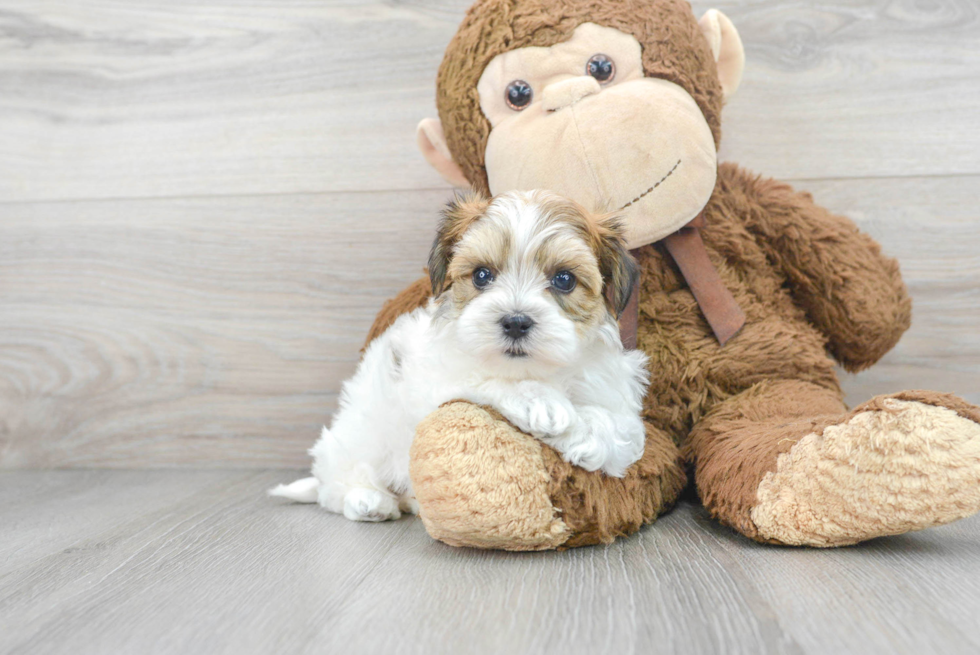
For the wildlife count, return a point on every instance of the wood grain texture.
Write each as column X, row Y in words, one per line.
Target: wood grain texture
column 110, row 99
column 865, row 88
column 197, row 331
column 932, row 226
column 201, row 562
column 203, row 205
column 217, row 331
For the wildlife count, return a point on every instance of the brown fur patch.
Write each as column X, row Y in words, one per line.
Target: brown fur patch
column 457, row 218
column 488, row 247
column 618, row 267
column 567, row 252
column 605, row 236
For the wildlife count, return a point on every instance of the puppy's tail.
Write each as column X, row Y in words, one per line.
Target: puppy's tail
column 301, row 491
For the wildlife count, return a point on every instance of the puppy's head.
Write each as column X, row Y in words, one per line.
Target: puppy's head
column 529, row 278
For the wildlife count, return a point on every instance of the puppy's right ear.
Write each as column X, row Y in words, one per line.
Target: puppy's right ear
column 457, row 217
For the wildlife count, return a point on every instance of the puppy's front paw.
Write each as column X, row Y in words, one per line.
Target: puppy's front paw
column 538, row 410
column 370, row 505
column 549, row 416
column 602, row 440
column 589, row 455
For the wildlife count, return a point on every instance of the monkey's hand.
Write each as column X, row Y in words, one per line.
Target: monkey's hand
column 850, row 291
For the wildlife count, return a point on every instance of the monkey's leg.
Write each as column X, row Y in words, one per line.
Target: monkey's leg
column 784, row 462
column 480, row 482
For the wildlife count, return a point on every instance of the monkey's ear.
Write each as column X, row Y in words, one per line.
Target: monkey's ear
column 726, row 46
column 432, row 142
column 620, row 272
column 457, row 217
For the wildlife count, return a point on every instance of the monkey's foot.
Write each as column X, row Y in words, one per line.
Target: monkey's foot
column 483, row 483
column 896, row 464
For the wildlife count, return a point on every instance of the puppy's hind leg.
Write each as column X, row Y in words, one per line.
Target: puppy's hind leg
column 349, row 478
column 363, row 504
column 357, row 503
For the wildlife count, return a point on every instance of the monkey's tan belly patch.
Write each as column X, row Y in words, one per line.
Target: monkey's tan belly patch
column 911, row 467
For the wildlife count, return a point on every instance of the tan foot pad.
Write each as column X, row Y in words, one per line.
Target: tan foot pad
column 907, row 467
column 481, row 483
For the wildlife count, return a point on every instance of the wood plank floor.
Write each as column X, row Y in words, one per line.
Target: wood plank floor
column 203, row 203
column 202, row 562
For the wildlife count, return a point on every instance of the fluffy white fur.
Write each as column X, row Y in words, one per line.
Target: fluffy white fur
column 579, row 392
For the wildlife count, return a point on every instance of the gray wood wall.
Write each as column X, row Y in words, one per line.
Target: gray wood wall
column 203, row 204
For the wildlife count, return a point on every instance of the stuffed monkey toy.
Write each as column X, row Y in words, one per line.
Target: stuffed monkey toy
column 749, row 293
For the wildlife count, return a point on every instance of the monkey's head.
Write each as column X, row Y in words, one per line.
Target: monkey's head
column 615, row 105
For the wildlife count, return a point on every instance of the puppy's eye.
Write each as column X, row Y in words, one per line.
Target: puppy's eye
column 482, row 277
column 602, row 68
column 563, row 281
column 518, row 95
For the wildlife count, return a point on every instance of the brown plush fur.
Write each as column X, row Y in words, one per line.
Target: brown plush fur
column 737, row 442
column 597, row 509
column 933, row 398
column 673, row 49
column 813, row 288
column 810, row 284
column 465, row 456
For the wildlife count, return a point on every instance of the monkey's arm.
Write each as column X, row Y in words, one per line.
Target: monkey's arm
column 849, row 290
column 412, row 297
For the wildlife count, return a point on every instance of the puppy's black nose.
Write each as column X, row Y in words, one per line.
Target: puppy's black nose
column 516, row 326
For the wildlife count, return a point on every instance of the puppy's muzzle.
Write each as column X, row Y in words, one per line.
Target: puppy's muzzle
column 516, row 326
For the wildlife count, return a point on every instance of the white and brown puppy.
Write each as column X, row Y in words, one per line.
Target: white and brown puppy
column 526, row 289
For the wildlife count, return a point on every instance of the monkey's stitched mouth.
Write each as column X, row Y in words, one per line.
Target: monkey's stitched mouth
column 659, row 182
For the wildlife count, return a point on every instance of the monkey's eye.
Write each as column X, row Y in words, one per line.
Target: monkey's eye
column 602, row 68
column 518, row 95
column 482, row 277
column 563, row 281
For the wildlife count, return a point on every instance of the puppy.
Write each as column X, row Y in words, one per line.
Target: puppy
column 526, row 290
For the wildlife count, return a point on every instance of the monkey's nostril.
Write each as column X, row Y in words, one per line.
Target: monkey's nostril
column 516, row 326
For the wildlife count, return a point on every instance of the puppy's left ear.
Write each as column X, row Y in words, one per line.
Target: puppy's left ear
column 457, row 217
column 619, row 270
